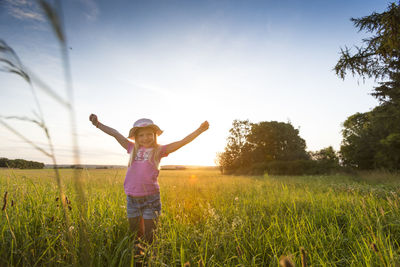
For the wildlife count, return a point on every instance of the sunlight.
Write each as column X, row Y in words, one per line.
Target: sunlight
column 192, row 178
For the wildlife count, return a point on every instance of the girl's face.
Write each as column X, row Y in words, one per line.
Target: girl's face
column 145, row 137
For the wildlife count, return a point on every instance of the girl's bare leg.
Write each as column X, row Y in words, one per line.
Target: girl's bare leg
column 149, row 228
column 136, row 225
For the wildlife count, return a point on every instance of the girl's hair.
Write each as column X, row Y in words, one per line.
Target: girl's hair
column 155, row 154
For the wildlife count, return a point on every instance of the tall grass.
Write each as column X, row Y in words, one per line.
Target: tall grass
column 10, row 62
column 208, row 220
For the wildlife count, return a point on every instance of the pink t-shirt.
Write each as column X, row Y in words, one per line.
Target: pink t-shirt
column 141, row 176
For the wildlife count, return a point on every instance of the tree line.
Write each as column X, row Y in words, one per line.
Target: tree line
column 20, row 164
column 273, row 147
column 371, row 140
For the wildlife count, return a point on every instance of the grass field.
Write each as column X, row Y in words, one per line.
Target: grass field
column 208, row 220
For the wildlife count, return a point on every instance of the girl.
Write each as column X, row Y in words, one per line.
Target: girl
column 141, row 185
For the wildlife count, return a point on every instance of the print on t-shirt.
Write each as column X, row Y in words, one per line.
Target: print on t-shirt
column 143, row 155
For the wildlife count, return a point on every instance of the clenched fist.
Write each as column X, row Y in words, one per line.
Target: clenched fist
column 204, row 126
column 94, row 120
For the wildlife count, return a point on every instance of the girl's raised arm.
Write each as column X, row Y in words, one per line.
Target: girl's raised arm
column 175, row 146
column 123, row 141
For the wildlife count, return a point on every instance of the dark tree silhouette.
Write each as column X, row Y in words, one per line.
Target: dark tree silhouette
column 372, row 140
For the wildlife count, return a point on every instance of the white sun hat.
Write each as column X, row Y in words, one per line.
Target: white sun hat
column 144, row 123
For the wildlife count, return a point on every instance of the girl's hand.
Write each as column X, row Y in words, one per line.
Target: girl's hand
column 93, row 119
column 204, row 126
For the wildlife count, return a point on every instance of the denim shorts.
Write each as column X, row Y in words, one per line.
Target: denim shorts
column 149, row 207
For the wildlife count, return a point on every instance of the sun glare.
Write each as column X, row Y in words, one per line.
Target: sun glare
column 192, row 179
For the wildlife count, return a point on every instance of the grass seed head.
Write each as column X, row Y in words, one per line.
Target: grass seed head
column 303, row 257
column 374, row 247
column 239, row 251
column 382, row 211
column 4, row 201
column 54, row 19
column 285, row 261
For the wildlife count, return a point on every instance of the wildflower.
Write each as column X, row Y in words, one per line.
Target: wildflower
column 236, row 222
column 211, row 212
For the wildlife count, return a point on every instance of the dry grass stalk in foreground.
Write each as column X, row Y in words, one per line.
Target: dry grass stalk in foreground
column 11, row 63
column 4, row 201
column 8, row 220
column 303, row 257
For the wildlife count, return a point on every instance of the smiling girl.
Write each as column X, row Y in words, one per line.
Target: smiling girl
column 141, row 181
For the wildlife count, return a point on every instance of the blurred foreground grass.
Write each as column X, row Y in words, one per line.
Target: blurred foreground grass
column 207, row 219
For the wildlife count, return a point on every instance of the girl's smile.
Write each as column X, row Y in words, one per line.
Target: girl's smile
column 145, row 137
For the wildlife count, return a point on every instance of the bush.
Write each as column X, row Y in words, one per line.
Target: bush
column 294, row 167
column 20, row 164
column 300, row 167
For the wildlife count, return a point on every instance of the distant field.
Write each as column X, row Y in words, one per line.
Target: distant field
column 207, row 219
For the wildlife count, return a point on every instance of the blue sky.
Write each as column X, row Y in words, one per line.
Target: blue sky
column 180, row 63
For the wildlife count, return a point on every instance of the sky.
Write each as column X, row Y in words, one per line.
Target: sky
column 179, row 63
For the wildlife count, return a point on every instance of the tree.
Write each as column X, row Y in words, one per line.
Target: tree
column 380, row 59
column 20, row 164
column 358, row 148
column 236, row 145
column 327, row 154
column 3, row 162
column 253, row 145
column 372, row 139
column 276, row 141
